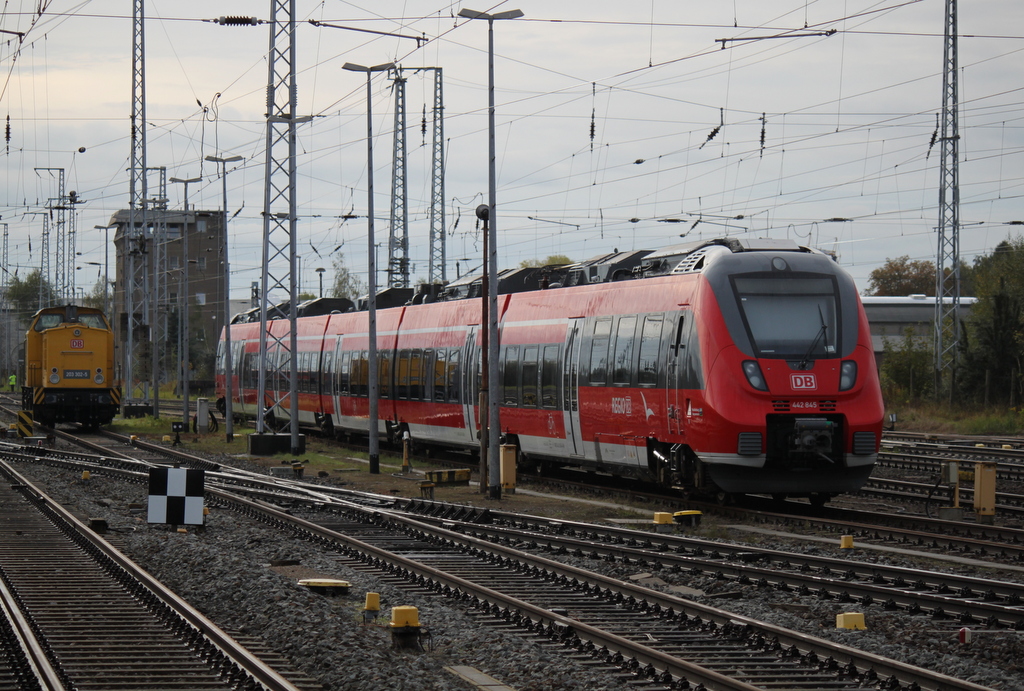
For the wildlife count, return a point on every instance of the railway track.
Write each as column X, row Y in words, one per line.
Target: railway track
column 659, row 637
column 99, row 621
column 450, row 571
column 962, row 599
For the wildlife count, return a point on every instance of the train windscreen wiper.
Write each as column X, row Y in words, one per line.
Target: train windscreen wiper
column 821, row 332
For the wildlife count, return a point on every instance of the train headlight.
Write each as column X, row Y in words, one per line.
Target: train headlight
column 754, row 376
column 54, row 378
column 847, row 375
column 98, row 378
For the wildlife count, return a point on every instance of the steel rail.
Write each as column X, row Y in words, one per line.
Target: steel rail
column 790, row 639
column 34, row 652
column 230, row 648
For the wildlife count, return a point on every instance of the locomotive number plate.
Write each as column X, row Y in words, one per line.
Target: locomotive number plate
column 77, row 342
column 804, row 404
column 76, row 374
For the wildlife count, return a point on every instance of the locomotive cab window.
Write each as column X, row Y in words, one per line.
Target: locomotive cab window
column 796, row 316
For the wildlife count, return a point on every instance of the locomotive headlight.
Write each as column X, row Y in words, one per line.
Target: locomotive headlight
column 754, row 376
column 54, row 378
column 847, row 375
column 98, row 378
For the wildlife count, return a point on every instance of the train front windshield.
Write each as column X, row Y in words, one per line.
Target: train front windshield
column 792, row 317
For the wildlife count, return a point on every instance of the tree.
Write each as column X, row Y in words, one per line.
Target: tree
column 994, row 336
column 96, row 297
column 26, row 295
column 901, row 277
column 907, row 367
column 346, row 284
column 553, row 260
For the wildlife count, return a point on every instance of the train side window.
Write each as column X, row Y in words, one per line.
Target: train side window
column 650, row 341
column 510, row 377
column 360, row 374
column 453, row 375
column 384, row 373
column 402, row 374
column 416, row 375
column 623, row 361
column 694, row 376
column 549, row 378
column 440, row 375
column 599, row 351
column 326, row 377
column 530, row 373
column 344, row 372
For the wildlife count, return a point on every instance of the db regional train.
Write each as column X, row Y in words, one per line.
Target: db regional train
column 69, row 367
column 721, row 367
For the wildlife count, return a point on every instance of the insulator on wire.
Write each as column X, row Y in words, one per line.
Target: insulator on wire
column 238, row 21
column 935, row 136
column 764, row 121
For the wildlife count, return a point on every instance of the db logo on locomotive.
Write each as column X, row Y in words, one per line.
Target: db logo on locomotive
column 77, row 343
column 803, row 381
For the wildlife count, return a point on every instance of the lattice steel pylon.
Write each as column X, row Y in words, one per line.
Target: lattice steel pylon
column 44, row 262
column 56, row 208
column 277, row 362
column 134, row 240
column 159, row 301
column 947, row 266
column 436, row 271
column 398, row 238
column 9, row 360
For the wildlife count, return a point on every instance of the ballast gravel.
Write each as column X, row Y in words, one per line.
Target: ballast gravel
column 225, row 572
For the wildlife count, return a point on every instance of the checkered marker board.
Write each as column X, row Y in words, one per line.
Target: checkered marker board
column 175, row 496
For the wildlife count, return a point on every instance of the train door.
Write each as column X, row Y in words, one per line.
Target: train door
column 676, row 374
column 469, row 389
column 571, row 387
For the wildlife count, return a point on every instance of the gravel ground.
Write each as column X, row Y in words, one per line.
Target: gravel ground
column 224, row 571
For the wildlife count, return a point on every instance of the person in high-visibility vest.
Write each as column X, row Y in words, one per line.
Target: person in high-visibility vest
column 12, row 381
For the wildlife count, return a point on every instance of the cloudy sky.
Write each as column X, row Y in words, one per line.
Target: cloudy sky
column 619, row 125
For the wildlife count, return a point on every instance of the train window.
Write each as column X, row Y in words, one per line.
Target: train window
column 453, row 375
column 384, row 374
column 549, row 378
column 48, row 321
column 623, row 362
column 416, row 375
column 344, row 372
column 599, row 351
column 440, row 374
column 530, row 372
column 402, row 374
column 328, row 372
column 360, row 374
column 792, row 316
column 95, row 321
column 510, row 377
column 650, row 341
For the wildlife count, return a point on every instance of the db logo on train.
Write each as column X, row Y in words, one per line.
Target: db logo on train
column 77, row 343
column 803, row 381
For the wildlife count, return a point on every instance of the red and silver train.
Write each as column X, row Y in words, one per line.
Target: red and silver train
column 726, row 366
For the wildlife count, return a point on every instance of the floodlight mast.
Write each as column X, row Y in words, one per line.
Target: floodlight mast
column 373, row 383
column 494, row 438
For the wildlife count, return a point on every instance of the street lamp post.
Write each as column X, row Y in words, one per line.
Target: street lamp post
column 183, row 354
column 229, row 432
column 374, row 385
column 494, row 441
column 320, row 273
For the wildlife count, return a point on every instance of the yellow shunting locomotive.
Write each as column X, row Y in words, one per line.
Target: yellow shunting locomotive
column 69, row 367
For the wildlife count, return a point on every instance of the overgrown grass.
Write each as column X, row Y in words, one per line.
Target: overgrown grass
column 922, row 416
column 319, row 455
